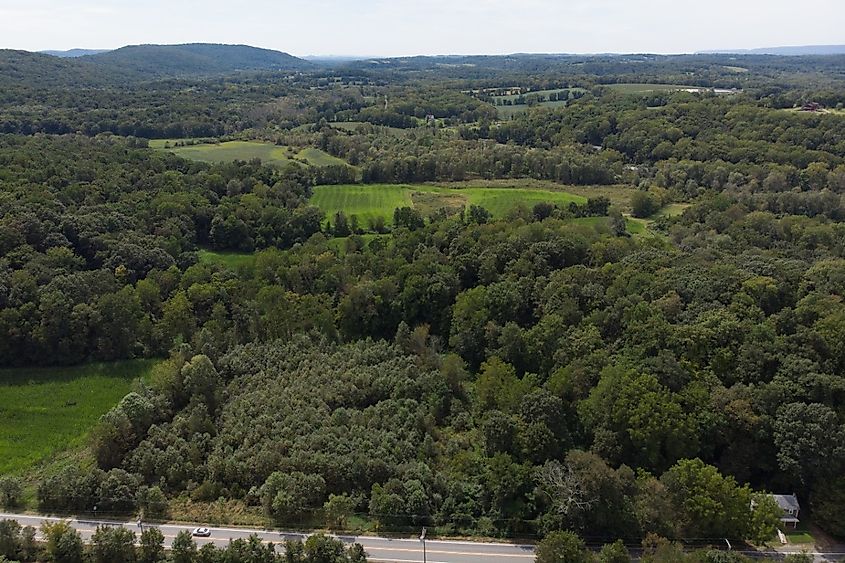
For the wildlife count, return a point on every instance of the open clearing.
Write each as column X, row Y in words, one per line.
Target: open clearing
column 44, row 411
column 270, row 154
column 646, row 88
column 672, row 210
column 232, row 260
column 366, row 201
column 379, row 200
column 506, row 112
column 353, row 126
column 824, row 111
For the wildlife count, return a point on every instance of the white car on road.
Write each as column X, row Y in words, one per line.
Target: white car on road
column 201, row 532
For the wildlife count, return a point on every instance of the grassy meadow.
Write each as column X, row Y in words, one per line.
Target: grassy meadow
column 506, row 112
column 44, row 411
column 365, row 201
column 231, row 260
column 379, row 200
column 270, row 154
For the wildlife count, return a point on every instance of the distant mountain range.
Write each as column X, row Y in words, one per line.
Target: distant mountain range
column 74, row 53
column 784, row 51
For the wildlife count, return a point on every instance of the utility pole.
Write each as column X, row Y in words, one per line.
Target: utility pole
column 422, row 539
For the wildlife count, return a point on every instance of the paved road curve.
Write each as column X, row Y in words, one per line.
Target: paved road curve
column 381, row 550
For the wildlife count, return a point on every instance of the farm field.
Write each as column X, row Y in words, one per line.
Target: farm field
column 316, row 157
column 506, row 112
column 379, row 200
column 273, row 155
column 44, row 411
column 366, row 201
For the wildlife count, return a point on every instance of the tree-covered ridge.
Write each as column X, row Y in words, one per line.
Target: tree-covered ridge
column 195, row 59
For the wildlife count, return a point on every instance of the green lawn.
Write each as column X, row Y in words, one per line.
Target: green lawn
column 273, row 155
column 232, row 260
column 799, row 537
column 45, row 411
column 379, row 200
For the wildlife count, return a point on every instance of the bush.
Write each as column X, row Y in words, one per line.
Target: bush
column 562, row 547
column 643, row 204
column 614, row 553
column 113, row 545
column 11, row 491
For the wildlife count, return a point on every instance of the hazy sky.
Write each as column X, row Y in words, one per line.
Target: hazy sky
column 399, row 27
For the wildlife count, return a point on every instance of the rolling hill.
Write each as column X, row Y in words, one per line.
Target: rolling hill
column 138, row 63
column 25, row 69
column 195, row 59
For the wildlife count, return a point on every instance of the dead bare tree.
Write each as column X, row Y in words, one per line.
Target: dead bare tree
column 564, row 487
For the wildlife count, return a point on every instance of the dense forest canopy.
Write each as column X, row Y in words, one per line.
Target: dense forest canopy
column 508, row 376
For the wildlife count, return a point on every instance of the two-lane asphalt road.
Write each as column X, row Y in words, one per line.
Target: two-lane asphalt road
column 378, row 549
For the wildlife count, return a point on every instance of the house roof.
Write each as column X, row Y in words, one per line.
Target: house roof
column 787, row 502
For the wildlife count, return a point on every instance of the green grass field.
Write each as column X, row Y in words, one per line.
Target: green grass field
column 232, row 260
column 270, row 154
column 635, row 226
column 167, row 143
column 316, row 157
column 506, row 112
column 499, row 201
column 379, row 200
column 46, row 411
column 672, row 210
column 365, row 201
